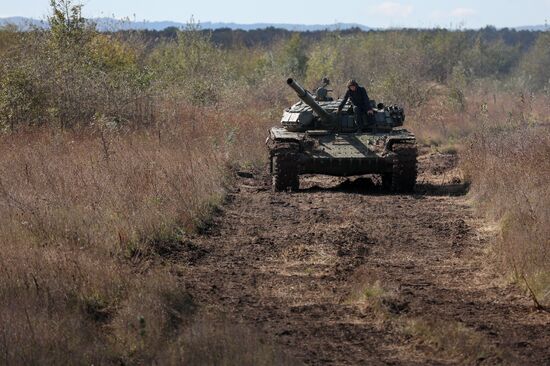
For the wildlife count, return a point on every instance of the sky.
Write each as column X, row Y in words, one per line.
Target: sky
column 375, row 13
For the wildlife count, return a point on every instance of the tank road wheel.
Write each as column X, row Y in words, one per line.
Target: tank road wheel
column 285, row 172
column 403, row 178
column 284, row 162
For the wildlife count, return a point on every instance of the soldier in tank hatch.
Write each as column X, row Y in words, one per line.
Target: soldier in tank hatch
column 361, row 103
column 321, row 94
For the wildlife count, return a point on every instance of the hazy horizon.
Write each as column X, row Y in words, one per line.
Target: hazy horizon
column 376, row 14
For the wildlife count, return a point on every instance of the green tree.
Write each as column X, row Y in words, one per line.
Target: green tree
column 457, row 86
column 324, row 60
column 67, row 25
column 535, row 66
column 9, row 37
column 193, row 64
column 442, row 50
column 491, row 58
column 21, row 100
column 294, row 57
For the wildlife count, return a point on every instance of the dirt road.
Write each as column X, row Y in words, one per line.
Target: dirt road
column 344, row 274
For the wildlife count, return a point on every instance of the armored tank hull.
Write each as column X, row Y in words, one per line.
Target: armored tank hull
column 319, row 141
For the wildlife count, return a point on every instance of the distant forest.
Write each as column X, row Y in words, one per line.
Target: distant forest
column 228, row 38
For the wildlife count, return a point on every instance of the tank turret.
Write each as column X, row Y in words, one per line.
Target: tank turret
column 315, row 114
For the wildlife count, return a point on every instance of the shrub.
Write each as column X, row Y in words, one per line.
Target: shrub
column 534, row 66
column 21, row 99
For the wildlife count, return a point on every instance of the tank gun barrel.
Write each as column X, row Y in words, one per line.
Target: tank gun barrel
column 308, row 99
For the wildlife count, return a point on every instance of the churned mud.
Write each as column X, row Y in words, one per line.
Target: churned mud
column 342, row 273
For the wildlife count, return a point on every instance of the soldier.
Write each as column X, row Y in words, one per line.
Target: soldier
column 321, row 94
column 361, row 103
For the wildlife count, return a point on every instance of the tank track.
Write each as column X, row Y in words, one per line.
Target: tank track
column 403, row 177
column 284, row 167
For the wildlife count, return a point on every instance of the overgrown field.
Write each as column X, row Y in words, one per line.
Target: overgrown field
column 114, row 146
column 510, row 171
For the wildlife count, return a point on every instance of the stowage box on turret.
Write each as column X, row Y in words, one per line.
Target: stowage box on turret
column 315, row 139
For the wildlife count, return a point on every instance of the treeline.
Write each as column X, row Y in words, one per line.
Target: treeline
column 231, row 38
column 73, row 74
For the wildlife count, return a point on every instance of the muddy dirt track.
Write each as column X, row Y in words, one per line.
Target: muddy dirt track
column 342, row 273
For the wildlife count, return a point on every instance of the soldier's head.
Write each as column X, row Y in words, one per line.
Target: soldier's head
column 352, row 85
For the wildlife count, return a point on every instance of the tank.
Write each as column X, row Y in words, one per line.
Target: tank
column 314, row 139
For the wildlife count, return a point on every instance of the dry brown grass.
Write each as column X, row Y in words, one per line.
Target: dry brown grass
column 503, row 139
column 442, row 340
column 509, row 172
column 83, row 217
column 440, row 121
column 452, row 340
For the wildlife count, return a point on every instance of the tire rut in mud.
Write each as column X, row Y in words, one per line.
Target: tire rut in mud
column 338, row 272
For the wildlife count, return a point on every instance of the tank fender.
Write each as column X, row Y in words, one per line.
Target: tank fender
column 282, row 134
column 398, row 139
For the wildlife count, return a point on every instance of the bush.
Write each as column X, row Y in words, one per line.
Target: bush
column 48, row 78
column 21, row 99
column 193, row 65
column 534, row 66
